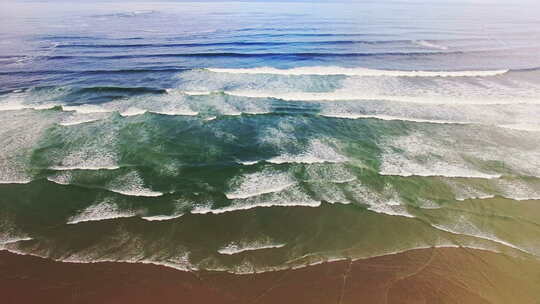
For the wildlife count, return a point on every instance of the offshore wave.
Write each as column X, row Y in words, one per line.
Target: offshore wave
column 249, row 43
column 92, row 89
column 92, row 72
column 311, row 70
column 345, row 95
column 85, row 111
column 335, row 70
column 167, row 45
column 248, row 55
column 310, row 35
column 113, row 89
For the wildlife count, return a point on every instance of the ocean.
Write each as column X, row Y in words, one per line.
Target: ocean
column 257, row 137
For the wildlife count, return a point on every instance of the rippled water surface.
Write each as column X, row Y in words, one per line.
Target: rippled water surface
column 251, row 136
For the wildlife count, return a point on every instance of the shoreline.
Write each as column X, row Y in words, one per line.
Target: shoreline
column 432, row 275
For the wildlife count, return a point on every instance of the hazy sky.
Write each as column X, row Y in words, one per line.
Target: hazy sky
column 411, row 1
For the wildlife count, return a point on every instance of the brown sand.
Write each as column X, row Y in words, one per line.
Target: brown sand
column 443, row 275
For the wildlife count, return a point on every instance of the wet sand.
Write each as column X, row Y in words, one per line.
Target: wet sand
column 442, row 275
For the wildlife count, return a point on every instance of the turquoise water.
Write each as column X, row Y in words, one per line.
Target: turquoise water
column 241, row 137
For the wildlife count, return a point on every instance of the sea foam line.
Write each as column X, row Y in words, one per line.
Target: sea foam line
column 176, row 266
column 161, row 217
column 234, row 248
column 390, row 118
column 364, row 72
column 437, row 174
column 481, row 236
column 240, row 207
column 190, row 268
column 345, row 95
column 18, row 182
column 61, row 180
column 93, row 168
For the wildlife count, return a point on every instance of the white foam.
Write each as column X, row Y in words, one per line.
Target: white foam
column 181, row 263
column 290, row 197
column 103, row 211
column 61, row 179
column 386, row 201
column 68, row 168
column 430, row 45
column 258, row 183
column 347, row 94
column 517, row 189
column 15, row 107
column 132, row 111
column 522, row 127
column 334, row 173
column 316, row 152
column 76, row 118
column 87, row 158
column 364, row 72
column 475, row 232
column 247, row 206
column 329, row 259
column 131, row 184
column 77, row 121
column 390, row 118
column 20, row 133
column 142, row 192
column 421, row 155
column 16, row 102
column 13, row 239
column 86, row 109
column 161, row 217
column 486, row 196
column 176, row 112
column 236, row 248
column 248, row 162
column 4, row 180
column 329, row 192
column 444, row 172
column 198, row 93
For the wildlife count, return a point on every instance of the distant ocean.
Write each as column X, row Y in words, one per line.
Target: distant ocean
column 255, row 137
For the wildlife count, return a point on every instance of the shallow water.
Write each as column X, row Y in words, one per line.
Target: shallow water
column 241, row 137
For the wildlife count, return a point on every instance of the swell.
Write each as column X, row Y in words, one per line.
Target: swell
column 309, row 35
column 353, row 71
column 91, row 72
column 249, row 55
column 358, row 71
column 239, row 43
column 112, row 89
column 71, row 92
